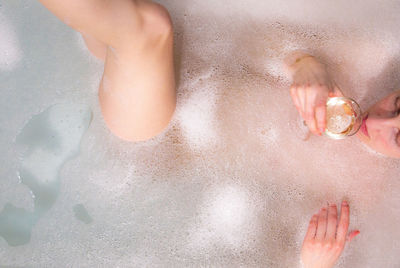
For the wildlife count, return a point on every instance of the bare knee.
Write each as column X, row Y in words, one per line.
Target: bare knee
column 144, row 48
column 155, row 21
column 140, row 22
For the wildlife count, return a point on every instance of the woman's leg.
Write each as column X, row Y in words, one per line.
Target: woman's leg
column 137, row 92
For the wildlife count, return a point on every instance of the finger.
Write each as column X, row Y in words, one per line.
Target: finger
column 320, row 115
column 343, row 223
column 310, row 113
column 320, row 110
column 332, row 222
column 295, row 98
column 296, row 102
column 321, row 230
column 312, row 227
column 337, row 92
column 301, row 95
column 352, row 234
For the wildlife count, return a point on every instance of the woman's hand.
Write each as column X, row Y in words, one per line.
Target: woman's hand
column 310, row 90
column 326, row 238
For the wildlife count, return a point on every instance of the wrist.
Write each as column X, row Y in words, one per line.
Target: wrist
column 303, row 60
column 297, row 59
column 296, row 56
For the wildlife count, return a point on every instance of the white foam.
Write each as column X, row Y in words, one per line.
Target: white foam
column 225, row 215
column 10, row 50
column 245, row 202
column 341, row 12
column 197, row 113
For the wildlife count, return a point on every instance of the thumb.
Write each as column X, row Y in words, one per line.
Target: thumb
column 351, row 235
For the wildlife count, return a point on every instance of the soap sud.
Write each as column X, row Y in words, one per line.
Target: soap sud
column 269, row 136
column 368, row 56
column 197, row 114
column 197, row 118
column 300, row 129
column 373, row 152
column 225, row 216
column 275, row 68
column 115, row 187
column 341, row 13
column 10, row 51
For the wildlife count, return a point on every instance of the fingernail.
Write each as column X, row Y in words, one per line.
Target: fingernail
column 352, row 234
column 345, row 203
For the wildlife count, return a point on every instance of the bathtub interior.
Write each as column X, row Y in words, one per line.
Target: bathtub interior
column 231, row 182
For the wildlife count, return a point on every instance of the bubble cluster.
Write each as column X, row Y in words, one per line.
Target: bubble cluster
column 235, row 178
column 10, row 49
column 197, row 113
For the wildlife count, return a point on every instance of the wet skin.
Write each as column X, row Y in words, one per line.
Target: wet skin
column 312, row 86
column 381, row 126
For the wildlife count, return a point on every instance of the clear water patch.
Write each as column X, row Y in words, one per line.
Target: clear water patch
column 82, row 214
column 48, row 141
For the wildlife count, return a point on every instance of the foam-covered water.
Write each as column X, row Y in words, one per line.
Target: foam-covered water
column 233, row 180
column 10, row 49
